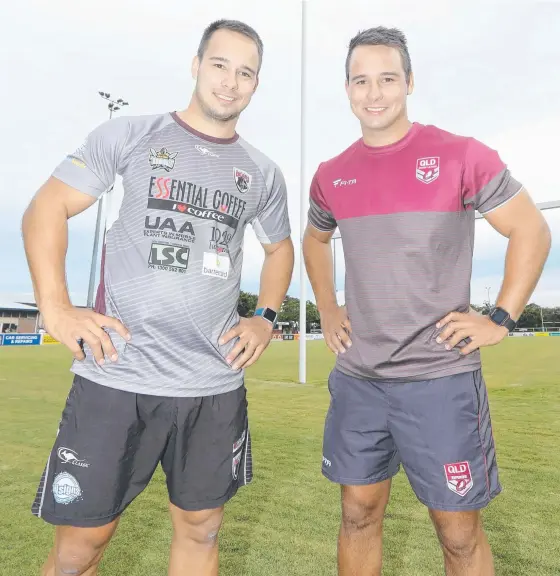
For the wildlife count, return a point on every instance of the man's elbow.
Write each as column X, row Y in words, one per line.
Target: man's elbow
column 27, row 217
column 535, row 230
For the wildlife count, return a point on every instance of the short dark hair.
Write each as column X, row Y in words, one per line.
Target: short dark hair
column 381, row 36
column 234, row 26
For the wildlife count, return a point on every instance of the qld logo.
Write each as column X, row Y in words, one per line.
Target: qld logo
column 459, row 477
column 427, row 169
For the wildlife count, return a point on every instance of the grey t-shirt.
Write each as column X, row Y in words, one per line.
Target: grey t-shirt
column 171, row 262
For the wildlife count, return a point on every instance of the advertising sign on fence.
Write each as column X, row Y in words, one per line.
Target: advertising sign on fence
column 22, row 339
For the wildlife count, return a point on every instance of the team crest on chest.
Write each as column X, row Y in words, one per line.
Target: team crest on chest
column 242, row 180
column 427, row 169
column 162, row 159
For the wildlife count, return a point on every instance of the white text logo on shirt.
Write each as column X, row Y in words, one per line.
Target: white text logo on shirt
column 215, row 264
column 427, row 169
column 206, row 151
column 341, row 182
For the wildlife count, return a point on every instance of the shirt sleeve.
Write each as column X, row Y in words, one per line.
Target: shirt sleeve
column 319, row 214
column 487, row 182
column 272, row 222
column 93, row 167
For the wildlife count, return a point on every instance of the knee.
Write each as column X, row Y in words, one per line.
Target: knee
column 460, row 541
column 199, row 527
column 358, row 515
column 74, row 560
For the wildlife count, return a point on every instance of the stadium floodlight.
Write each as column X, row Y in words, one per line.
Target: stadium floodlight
column 112, row 106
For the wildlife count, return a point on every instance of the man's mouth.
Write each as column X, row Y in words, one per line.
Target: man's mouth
column 224, row 98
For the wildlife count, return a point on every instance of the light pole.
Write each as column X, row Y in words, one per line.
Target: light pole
column 488, row 297
column 336, row 236
column 113, row 106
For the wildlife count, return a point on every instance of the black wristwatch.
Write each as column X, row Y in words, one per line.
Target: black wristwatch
column 500, row 317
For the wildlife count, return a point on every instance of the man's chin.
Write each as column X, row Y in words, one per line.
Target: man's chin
column 220, row 115
column 378, row 124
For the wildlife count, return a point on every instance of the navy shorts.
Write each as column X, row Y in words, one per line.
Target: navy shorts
column 110, row 442
column 439, row 430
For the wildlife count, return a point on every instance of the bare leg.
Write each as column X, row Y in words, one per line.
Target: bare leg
column 194, row 548
column 465, row 547
column 361, row 530
column 78, row 551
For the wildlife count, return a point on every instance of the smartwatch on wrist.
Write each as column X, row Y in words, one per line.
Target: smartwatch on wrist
column 500, row 317
column 267, row 313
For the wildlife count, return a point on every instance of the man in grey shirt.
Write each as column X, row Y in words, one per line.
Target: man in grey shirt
column 159, row 364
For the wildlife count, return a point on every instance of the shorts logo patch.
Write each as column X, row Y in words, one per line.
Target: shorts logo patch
column 66, row 488
column 459, row 477
column 242, row 180
column 235, row 465
column 69, row 456
column 239, row 442
column 427, row 169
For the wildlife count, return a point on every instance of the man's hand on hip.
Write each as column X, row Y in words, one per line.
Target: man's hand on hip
column 336, row 328
column 254, row 336
column 69, row 325
column 479, row 329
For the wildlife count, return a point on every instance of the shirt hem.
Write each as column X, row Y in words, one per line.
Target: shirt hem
column 172, row 392
column 416, row 377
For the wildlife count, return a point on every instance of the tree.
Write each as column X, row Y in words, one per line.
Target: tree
column 313, row 318
column 531, row 316
column 247, row 304
column 289, row 311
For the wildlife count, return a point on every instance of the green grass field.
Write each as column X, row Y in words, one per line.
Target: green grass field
column 286, row 522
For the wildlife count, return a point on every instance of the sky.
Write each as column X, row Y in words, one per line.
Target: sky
column 482, row 70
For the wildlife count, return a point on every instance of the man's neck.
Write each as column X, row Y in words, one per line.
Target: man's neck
column 195, row 118
column 392, row 134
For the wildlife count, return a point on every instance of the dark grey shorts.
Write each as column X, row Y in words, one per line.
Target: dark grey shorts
column 110, row 442
column 439, row 430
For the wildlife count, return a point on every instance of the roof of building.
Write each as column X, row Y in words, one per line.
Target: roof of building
column 20, row 306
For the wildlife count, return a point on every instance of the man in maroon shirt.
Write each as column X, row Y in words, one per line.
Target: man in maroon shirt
column 407, row 386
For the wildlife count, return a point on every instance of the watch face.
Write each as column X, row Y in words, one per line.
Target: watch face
column 499, row 316
column 270, row 315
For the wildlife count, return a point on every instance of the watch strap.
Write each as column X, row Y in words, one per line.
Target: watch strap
column 506, row 320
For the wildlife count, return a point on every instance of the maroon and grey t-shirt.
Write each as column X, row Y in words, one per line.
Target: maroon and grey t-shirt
column 172, row 260
column 406, row 214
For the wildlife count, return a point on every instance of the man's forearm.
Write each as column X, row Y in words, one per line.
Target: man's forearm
column 526, row 255
column 276, row 276
column 45, row 237
column 319, row 265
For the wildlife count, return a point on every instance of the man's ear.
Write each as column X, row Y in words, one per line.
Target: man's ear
column 410, row 89
column 195, row 66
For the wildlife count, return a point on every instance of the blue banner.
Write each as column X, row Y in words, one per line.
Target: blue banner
column 554, row 333
column 22, row 339
column 1, row 339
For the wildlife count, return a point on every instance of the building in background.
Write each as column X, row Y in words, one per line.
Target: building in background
column 19, row 318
